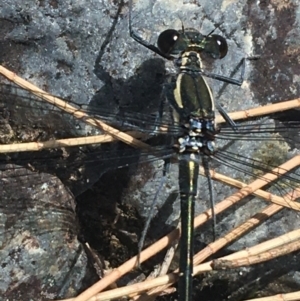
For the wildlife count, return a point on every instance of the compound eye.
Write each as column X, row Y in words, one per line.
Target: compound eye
column 166, row 40
column 219, row 46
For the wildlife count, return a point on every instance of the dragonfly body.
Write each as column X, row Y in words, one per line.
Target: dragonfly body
column 194, row 110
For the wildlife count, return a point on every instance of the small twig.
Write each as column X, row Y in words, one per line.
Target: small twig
column 38, row 146
column 264, row 110
column 164, row 269
column 96, row 261
column 168, row 258
column 280, row 297
column 172, row 277
column 260, row 193
column 267, row 245
column 81, row 115
column 253, row 251
column 237, row 232
column 221, row 264
column 132, row 289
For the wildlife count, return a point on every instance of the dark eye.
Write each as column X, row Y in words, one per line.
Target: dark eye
column 222, row 44
column 167, row 40
column 216, row 46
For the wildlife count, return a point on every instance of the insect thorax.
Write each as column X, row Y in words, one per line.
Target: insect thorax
column 194, row 106
column 198, row 137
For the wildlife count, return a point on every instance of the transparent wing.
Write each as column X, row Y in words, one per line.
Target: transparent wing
column 25, row 118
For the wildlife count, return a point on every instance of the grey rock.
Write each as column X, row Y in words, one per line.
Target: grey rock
column 38, row 237
column 79, row 50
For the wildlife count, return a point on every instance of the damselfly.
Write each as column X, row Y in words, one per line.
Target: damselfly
column 193, row 110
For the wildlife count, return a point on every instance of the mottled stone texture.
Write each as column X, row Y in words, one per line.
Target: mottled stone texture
column 40, row 256
column 79, row 50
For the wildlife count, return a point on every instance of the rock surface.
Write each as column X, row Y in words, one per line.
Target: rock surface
column 81, row 50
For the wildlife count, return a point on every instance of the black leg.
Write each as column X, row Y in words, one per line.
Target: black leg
column 140, row 40
column 227, row 118
column 226, row 79
column 151, row 211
